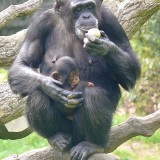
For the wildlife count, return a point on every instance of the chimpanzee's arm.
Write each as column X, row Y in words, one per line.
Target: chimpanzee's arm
column 122, row 64
column 23, row 79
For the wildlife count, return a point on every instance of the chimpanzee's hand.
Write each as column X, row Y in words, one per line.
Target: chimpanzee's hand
column 98, row 46
column 53, row 89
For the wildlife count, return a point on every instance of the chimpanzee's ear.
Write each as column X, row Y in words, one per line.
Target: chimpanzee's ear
column 56, row 75
column 57, row 6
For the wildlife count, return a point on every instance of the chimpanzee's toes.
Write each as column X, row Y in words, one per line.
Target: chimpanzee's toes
column 61, row 141
column 84, row 149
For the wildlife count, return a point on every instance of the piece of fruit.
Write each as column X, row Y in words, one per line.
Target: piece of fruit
column 85, row 40
column 95, row 32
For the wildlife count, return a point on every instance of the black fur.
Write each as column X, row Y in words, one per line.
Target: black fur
column 53, row 34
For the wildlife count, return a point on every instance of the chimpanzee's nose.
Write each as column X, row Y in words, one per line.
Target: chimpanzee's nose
column 86, row 16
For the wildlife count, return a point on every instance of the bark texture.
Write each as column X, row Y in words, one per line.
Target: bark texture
column 14, row 11
column 49, row 153
column 9, row 47
column 11, row 105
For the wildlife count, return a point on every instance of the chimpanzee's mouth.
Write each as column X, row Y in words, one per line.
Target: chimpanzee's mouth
column 85, row 29
column 74, row 86
column 82, row 30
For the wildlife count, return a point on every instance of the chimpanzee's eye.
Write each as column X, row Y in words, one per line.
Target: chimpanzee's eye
column 78, row 9
column 91, row 7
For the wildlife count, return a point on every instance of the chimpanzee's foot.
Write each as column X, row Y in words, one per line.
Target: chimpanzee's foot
column 61, row 141
column 84, row 149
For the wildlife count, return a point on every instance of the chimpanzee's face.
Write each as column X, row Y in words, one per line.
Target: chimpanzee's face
column 73, row 79
column 84, row 13
column 79, row 15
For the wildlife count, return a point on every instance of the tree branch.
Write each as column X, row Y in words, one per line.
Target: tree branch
column 9, row 47
column 134, row 13
column 134, row 126
column 11, row 105
column 49, row 153
column 15, row 135
column 14, row 11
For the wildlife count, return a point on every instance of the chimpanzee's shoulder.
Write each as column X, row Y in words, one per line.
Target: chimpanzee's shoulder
column 48, row 16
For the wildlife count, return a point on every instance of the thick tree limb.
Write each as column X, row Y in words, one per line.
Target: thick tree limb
column 11, row 105
column 134, row 13
column 9, row 47
column 14, row 11
column 49, row 153
column 15, row 135
column 15, row 129
column 134, row 126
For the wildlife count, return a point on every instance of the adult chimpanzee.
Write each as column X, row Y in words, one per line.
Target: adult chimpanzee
column 107, row 61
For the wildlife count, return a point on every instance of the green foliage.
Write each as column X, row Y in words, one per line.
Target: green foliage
column 149, row 140
column 9, row 147
column 119, row 118
column 124, row 154
column 3, row 75
column 146, row 43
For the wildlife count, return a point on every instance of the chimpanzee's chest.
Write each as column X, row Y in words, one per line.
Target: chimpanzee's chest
column 94, row 70
column 91, row 68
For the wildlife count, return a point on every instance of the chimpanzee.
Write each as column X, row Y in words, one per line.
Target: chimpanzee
column 66, row 71
column 107, row 61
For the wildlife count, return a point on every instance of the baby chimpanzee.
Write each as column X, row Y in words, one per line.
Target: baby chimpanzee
column 66, row 71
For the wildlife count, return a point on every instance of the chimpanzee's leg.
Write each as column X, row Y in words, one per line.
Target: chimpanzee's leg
column 92, row 122
column 45, row 119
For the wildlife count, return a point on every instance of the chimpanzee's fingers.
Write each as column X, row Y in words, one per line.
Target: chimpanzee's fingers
column 74, row 101
column 70, row 94
column 93, row 51
column 71, row 103
column 93, row 45
column 57, row 82
column 66, row 97
column 74, row 95
column 103, row 34
column 72, row 106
